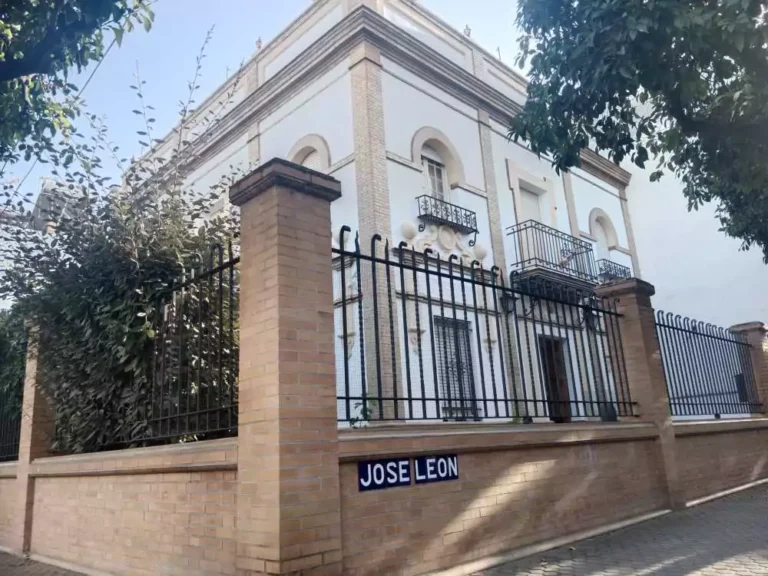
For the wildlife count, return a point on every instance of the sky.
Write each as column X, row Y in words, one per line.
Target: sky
column 165, row 58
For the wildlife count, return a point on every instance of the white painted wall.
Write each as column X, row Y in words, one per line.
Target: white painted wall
column 344, row 210
column 411, row 104
column 590, row 193
column 324, row 108
column 229, row 162
column 457, row 52
column 301, row 40
column 697, row 270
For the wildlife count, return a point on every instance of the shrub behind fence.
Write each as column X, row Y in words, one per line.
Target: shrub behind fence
column 10, row 422
column 196, row 355
column 707, row 368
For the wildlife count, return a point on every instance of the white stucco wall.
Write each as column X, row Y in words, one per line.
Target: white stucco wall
column 436, row 39
column 302, row 39
column 231, row 161
column 697, row 270
column 324, row 108
column 411, row 104
column 344, row 210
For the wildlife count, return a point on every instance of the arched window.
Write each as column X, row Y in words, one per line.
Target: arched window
column 311, row 151
column 434, row 172
column 602, row 230
column 601, row 239
column 438, row 156
column 313, row 160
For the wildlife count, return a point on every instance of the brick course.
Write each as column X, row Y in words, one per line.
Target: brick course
column 712, row 462
column 178, row 523
column 7, row 499
column 503, row 500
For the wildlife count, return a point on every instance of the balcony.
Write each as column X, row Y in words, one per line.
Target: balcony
column 539, row 250
column 435, row 211
column 608, row 271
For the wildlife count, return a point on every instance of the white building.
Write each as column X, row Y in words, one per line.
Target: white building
column 411, row 117
column 394, row 103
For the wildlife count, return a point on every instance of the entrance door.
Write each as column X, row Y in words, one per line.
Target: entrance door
column 555, row 378
column 454, row 362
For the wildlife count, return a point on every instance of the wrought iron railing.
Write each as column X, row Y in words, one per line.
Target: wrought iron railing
column 196, row 355
column 540, row 247
column 420, row 337
column 10, row 421
column 608, row 270
column 435, row 211
column 708, row 368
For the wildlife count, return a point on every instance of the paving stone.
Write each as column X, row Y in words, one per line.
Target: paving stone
column 727, row 537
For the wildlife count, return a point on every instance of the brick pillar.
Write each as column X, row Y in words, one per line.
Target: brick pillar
column 37, row 428
column 645, row 372
column 374, row 217
column 289, row 510
column 756, row 335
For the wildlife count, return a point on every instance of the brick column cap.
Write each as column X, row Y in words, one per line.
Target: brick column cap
column 628, row 286
column 281, row 173
column 750, row 327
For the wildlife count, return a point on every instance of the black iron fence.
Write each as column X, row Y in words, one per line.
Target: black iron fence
column 707, row 368
column 10, row 421
column 536, row 246
column 195, row 358
column 422, row 337
column 608, row 271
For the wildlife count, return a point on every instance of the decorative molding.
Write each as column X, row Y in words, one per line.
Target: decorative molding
column 342, row 163
column 405, row 162
column 444, row 241
column 434, row 138
column 350, row 335
column 599, row 216
column 469, row 188
column 570, row 204
column 308, row 144
column 603, row 168
column 364, row 25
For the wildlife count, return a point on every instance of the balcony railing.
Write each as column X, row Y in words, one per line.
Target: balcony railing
column 608, row 270
column 435, row 211
column 538, row 247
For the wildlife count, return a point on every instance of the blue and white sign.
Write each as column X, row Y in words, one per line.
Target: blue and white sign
column 380, row 474
column 389, row 473
column 436, row 468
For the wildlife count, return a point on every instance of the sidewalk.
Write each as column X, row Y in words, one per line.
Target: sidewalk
column 726, row 537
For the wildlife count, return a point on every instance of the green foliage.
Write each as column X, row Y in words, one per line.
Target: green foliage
column 92, row 278
column 13, row 350
column 40, row 42
column 683, row 81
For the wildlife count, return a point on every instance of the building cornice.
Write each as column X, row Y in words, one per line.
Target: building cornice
column 398, row 46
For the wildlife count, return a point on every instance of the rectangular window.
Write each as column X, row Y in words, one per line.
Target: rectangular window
column 454, row 366
column 435, row 173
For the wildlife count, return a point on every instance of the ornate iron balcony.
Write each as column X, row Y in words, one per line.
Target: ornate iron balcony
column 435, row 211
column 609, row 270
column 539, row 248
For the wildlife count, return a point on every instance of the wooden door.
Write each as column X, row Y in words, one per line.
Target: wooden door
column 555, row 376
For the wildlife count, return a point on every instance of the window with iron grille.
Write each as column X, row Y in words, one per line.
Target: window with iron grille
column 435, row 173
column 454, row 366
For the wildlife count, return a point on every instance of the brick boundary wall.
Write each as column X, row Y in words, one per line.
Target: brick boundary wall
column 283, row 497
column 716, row 456
column 171, row 510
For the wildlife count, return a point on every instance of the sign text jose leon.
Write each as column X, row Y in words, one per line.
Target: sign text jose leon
column 389, row 473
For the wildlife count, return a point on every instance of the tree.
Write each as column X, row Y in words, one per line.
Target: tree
column 682, row 81
column 40, row 42
column 94, row 286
